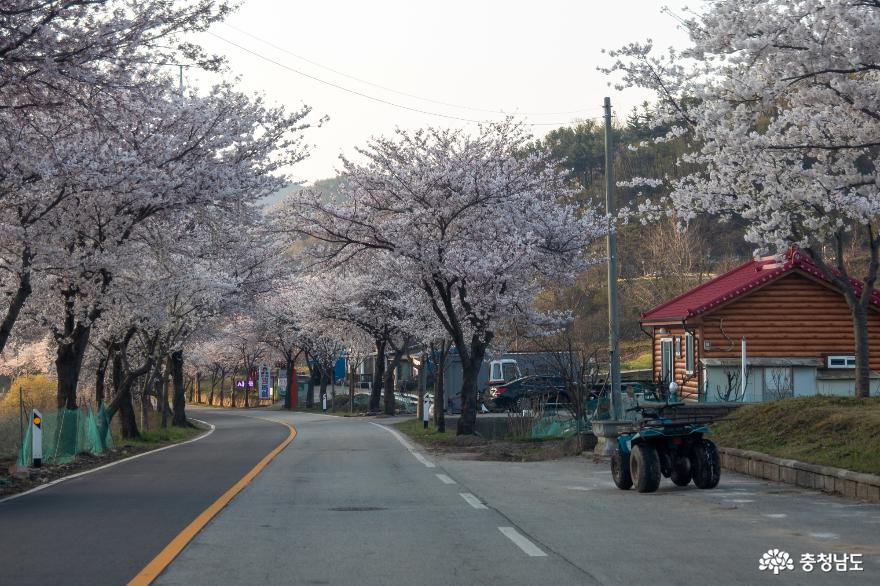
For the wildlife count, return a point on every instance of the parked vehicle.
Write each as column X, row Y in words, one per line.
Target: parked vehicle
column 517, row 392
column 502, row 371
column 658, row 445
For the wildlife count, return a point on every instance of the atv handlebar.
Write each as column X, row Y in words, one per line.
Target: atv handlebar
column 653, row 410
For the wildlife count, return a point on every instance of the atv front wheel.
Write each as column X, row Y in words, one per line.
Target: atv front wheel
column 620, row 470
column 705, row 464
column 681, row 471
column 644, row 465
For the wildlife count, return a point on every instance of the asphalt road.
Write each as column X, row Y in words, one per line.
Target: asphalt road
column 104, row 527
column 348, row 503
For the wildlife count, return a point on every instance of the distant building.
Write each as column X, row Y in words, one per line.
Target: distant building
column 797, row 325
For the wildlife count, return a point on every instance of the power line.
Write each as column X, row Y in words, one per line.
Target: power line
column 394, row 91
column 367, row 96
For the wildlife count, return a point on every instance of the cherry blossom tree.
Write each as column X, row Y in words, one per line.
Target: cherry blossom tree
column 166, row 159
column 371, row 297
column 49, row 51
column 780, row 102
column 473, row 223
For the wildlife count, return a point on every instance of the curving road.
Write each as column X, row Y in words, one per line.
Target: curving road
column 104, row 527
column 351, row 502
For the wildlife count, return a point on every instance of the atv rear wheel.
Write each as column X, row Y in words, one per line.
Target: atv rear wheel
column 620, row 470
column 705, row 464
column 644, row 465
column 681, row 471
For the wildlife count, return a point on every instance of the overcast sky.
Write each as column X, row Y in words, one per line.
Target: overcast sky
column 536, row 60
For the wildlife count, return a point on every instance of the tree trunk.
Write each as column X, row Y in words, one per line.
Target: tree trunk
column 378, row 375
column 439, row 391
column 127, row 418
column 145, row 402
column 467, row 423
column 68, row 364
column 863, row 356
column 324, row 380
column 350, row 385
column 290, row 382
column 179, row 415
column 247, row 387
column 100, row 374
column 163, row 394
column 122, row 396
column 390, row 404
column 22, row 292
column 314, row 377
column 198, row 387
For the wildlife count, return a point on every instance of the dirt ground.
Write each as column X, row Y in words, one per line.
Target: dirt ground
column 477, row 448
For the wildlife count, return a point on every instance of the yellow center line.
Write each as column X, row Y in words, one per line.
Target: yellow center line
column 173, row 549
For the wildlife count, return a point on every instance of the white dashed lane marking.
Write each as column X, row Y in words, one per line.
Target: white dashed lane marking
column 445, row 479
column 472, row 500
column 522, row 542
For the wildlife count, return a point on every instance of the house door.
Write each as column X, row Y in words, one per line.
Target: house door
column 666, row 361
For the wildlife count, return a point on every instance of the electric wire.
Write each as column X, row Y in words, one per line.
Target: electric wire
column 394, row 91
column 373, row 98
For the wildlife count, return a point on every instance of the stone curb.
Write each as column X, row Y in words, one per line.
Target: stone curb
column 828, row 479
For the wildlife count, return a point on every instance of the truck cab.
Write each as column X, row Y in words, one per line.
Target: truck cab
column 502, row 371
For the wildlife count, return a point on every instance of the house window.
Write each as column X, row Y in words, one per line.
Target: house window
column 841, row 362
column 689, row 353
column 666, row 360
column 778, row 382
column 677, row 347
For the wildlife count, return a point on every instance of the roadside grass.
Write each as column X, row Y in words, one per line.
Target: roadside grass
column 828, row 431
column 431, row 437
column 155, row 436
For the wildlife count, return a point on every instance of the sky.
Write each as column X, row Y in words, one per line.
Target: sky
column 443, row 64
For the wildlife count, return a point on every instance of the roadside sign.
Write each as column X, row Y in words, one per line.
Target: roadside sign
column 265, row 382
column 239, row 384
column 282, row 383
column 37, row 437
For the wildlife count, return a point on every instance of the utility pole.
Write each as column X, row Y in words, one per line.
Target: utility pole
column 181, row 80
column 611, row 246
column 350, row 381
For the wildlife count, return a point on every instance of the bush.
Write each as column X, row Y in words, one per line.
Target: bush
column 37, row 391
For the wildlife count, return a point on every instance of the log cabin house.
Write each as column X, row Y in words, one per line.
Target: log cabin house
column 796, row 323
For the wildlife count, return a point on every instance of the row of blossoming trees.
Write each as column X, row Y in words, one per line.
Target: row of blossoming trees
column 133, row 243
column 128, row 204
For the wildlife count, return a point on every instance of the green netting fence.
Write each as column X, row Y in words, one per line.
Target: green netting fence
column 563, row 424
column 68, row 432
column 555, row 427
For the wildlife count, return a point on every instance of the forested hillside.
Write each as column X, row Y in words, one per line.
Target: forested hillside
column 657, row 260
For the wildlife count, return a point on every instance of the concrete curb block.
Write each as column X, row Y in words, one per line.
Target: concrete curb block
column 828, row 479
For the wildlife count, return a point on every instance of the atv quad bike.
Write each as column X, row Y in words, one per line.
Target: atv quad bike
column 657, row 446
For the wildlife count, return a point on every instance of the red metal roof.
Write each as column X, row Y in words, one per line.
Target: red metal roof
column 740, row 281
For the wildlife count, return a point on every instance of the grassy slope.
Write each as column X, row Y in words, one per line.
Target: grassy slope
column 830, row 431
